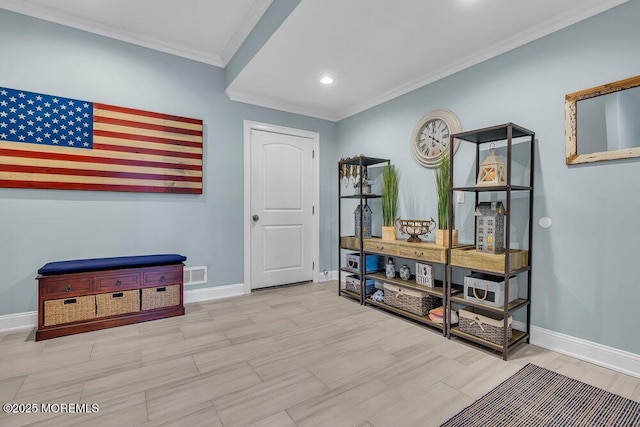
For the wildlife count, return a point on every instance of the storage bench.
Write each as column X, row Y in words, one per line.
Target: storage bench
column 86, row 295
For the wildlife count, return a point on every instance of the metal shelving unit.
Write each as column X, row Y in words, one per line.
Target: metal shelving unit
column 512, row 262
column 350, row 242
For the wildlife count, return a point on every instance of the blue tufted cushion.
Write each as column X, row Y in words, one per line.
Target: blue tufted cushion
column 80, row 265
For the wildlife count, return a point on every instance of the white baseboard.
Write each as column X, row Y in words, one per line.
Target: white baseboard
column 330, row 275
column 598, row 354
column 216, row 292
column 18, row 321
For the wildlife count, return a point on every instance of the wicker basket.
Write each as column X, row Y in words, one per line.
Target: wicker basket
column 352, row 284
column 415, row 302
column 67, row 310
column 118, row 303
column 487, row 326
column 162, row 296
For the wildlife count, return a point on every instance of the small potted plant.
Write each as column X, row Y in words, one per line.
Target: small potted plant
column 443, row 184
column 390, row 178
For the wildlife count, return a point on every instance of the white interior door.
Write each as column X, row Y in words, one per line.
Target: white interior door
column 281, row 208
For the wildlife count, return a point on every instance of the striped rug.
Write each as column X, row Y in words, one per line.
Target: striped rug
column 538, row 397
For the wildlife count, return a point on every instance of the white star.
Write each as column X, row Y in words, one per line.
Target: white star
column 86, row 115
column 39, row 108
column 3, row 125
column 30, row 133
column 47, row 114
column 71, row 112
column 13, row 109
column 86, row 135
column 12, row 99
column 86, row 144
column 63, row 116
column 55, row 110
column 30, row 101
column 78, row 119
column 55, row 130
column 46, row 104
column 39, row 129
column 70, row 142
column 12, row 120
column 85, row 105
column 55, row 100
column 78, row 139
column 63, row 107
column 21, row 137
column 3, row 92
column 63, row 136
column 30, row 112
column 30, row 122
column 39, row 118
column 70, row 102
column 12, row 131
column 86, row 125
column 21, row 105
column 39, row 98
column 70, row 132
column 79, row 129
column 47, row 135
column 3, row 103
column 47, row 125
column 55, row 141
column 78, row 109
column 21, row 127
column 63, row 127
column 21, row 95
column 3, row 135
column 3, row 114
column 70, row 122
column 21, row 116
column 38, row 139
column 55, row 120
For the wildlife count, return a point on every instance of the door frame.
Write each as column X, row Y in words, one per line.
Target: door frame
column 250, row 125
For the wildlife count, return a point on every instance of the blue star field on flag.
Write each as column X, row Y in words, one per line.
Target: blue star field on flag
column 45, row 120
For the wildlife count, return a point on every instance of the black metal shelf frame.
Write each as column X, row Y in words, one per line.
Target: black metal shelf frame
column 505, row 132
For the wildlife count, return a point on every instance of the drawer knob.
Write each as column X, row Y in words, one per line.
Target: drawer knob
column 418, row 253
column 68, row 288
column 162, row 278
column 118, row 283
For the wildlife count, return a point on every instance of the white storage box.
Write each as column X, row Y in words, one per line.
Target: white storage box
column 489, row 289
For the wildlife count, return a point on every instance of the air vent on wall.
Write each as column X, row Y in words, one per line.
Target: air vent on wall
column 195, row 275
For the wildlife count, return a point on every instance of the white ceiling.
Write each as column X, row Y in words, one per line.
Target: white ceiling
column 375, row 49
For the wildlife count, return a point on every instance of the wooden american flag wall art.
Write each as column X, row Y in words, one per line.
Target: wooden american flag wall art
column 52, row 142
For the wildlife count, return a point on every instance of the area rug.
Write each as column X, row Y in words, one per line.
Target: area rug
column 535, row 396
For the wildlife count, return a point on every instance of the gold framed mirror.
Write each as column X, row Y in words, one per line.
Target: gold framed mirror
column 603, row 123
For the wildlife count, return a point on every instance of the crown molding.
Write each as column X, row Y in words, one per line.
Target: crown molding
column 242, row 32
column 68, row 20
column 588, row 10
column 277, row 105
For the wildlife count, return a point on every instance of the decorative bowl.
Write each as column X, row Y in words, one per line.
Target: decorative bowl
column 415, row 228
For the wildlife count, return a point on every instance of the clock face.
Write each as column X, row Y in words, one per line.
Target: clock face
column 431, row 137
column 434, row 138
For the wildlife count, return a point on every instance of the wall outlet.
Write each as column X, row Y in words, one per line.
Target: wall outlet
column 459, row 196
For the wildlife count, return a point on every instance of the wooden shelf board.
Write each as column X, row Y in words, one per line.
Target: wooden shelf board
column 411, row 284
column 494, row 188
column 350, row 294
column 469, row 257
column 422, row 319
column 366, row 161
column 364, row 196
column 513, row 305
column 516, row 337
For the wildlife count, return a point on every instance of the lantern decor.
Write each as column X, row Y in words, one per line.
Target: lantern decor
column 492, row 172
column 490, row 227
column 366, row 221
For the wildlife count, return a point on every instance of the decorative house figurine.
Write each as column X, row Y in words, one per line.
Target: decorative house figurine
column 490, row 227
column 492, row 172
column 366, row 221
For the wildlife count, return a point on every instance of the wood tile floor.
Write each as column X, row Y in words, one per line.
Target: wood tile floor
column 294, row 356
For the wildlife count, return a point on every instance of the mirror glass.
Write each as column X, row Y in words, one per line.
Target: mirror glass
column 603, row 123
column 609, row 122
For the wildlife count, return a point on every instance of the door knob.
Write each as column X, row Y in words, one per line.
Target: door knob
column 256, row 218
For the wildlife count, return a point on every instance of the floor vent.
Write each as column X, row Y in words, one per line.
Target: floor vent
column 195, row 275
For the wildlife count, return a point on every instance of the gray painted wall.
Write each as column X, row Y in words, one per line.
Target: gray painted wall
column 585, row 277
column 39, row 226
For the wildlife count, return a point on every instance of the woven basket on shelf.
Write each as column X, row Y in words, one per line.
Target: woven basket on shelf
column 415, row 302
column 483, row 326
column 162, row 296
column 67, row 310
column 118, row 303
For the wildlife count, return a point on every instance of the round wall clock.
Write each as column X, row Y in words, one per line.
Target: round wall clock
column 430, row 138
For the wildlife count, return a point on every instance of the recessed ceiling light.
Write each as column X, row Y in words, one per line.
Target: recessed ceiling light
column 326, row 80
